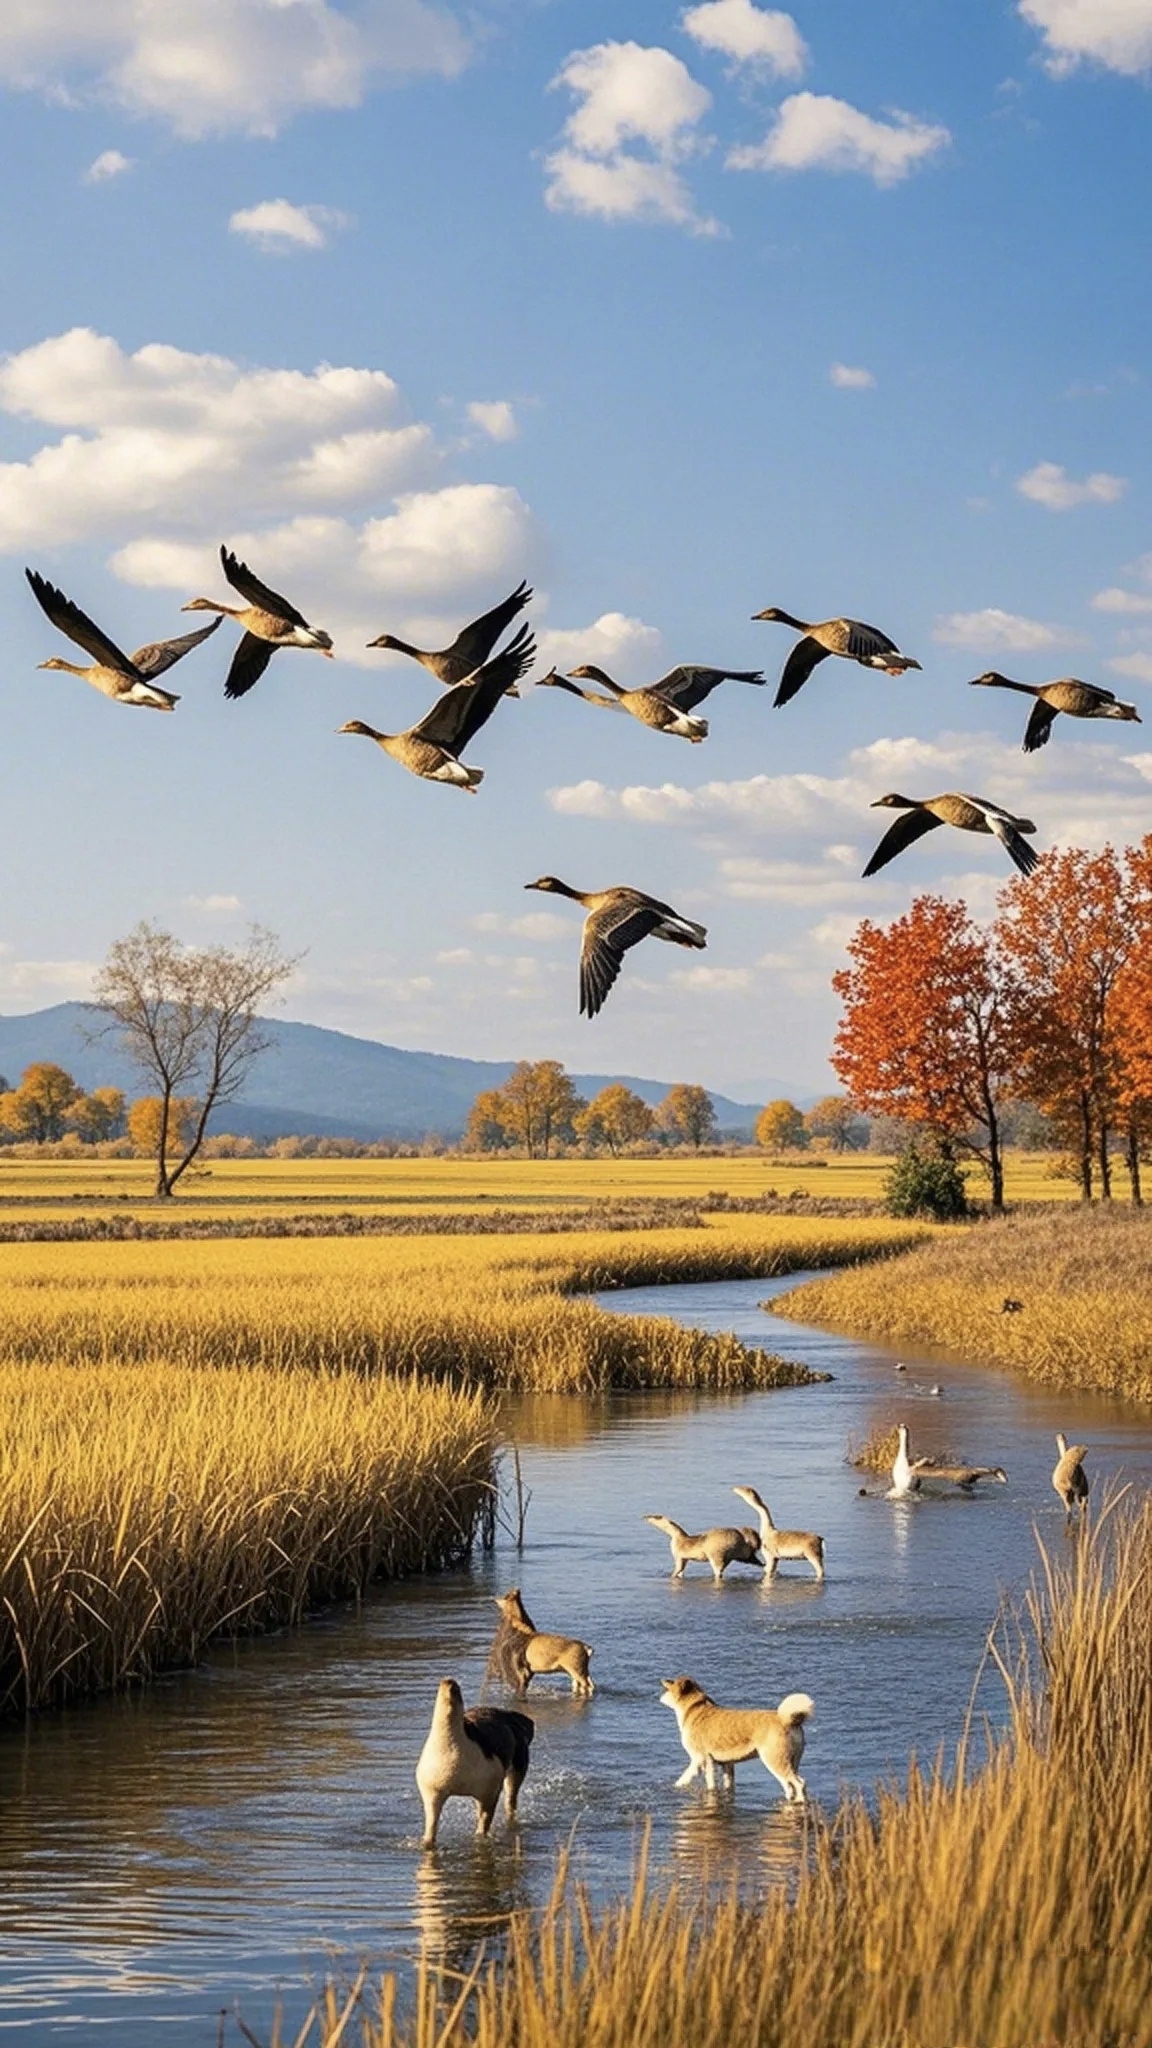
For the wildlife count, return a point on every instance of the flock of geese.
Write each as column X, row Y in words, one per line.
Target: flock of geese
column 477, row 674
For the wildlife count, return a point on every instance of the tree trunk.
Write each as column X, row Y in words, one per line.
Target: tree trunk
column 1132, row 1161
column 1085, row 1151
column 995, row 1164
column 1105, row 1162
column 163, row 1183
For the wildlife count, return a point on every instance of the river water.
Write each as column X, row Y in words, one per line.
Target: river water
column 243, row 1830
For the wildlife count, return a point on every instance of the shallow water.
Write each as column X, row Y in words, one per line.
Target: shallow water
column 234, row 1831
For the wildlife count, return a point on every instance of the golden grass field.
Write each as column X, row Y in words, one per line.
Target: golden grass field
column 225, row 1186
column 1005, row 1906
column 1083, row 1282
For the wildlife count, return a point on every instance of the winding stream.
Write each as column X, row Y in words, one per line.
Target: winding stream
column 232, row 1831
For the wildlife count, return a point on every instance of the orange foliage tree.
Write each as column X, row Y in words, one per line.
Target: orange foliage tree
column 924, row 1036
column 1067, row 932
column 1132, row 1015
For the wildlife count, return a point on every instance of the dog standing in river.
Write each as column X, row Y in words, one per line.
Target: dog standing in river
column 522, row 1652
column 472, row 1755
column 733, row 1735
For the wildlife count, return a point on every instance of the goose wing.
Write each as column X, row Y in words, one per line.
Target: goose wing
column 1009, row 831
column 458, row 715
column 474, row 643
column 798, row 667
column 248, row 665
column 609, row 933
column 241, row 578
column 1039, row 726
column 688, row 686
column 69, row 618
column 908, row 828
column 865, row 642
column 164, row 654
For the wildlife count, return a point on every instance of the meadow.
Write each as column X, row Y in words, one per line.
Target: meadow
column 999, row 1897
column 1082, row 1284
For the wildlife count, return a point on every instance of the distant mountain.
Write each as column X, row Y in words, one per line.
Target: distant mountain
column 315, row 1082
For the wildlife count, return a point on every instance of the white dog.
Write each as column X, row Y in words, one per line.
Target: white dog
column 472, row 1756
column 733, row 1735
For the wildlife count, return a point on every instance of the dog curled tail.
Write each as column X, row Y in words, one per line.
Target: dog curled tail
column 796, row 1707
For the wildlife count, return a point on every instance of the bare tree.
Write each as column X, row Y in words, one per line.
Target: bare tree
column 188, row 1020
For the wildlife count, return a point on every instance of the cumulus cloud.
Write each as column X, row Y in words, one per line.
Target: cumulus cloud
column 994, row 631
column 495, row 417
column 1124, row 601
column 815, row 132
column 1114, row 33
column 712, row 981
column 1139, row 666
column 760, row 37
column 1050, row 485
column 847, row 378
column 628, row 95
column 244, row 66
column 111, row 163
column 278, row 227
column 192, row 440
column 212, row 906
column 624, row 647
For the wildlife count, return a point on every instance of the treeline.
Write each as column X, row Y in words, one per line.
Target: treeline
column 49, row 1107
column 950, row 1025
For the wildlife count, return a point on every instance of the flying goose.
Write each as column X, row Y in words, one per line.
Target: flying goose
column 126, row 678
column 617, row 920
column 967, row 813
column 472, row 645
column 432, row 747
column 1069, row 694
column 666, row 705
column 1069, row 1477
column 849, row 637
column 269, row 622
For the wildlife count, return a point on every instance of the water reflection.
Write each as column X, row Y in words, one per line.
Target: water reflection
column 465, row 1893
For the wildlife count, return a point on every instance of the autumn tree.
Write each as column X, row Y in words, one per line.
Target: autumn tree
column 780, row 1127
column 98, row 1116
column 1132, row 1017
column 537, row 1105
column 189, row 1020
column 616, row 1118
column 37, row 1109
column 686, row 1115
column 144, row 1123
column 484, row 1130
column 836, row 1118
column 924, row 1034
column 1066, row 932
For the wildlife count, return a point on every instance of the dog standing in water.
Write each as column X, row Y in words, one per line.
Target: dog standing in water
column 523, row 1652
column 733, row 1735
column 472, row 1755
column 717, row 1547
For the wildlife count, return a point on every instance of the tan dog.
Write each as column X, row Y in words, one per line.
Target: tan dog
column 471, row 1756
column 783, row 1543
column 717, row 1547
column 535, row 1653
column 733, row 1735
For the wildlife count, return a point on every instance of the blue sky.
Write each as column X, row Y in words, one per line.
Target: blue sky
column 682, row 313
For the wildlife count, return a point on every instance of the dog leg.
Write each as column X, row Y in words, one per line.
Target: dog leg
column 512, row 1784
column 433, row 1808
column 710, row 1773
column 687, row 1776
column 484, row 1814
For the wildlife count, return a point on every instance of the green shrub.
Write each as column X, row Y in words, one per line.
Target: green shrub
column 926, row 1182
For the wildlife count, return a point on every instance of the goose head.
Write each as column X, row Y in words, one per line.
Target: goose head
column 551, row 885
column 589, row 673
column 385, row 640
column 894, row 802
column 358, row 725
column 57, row 661
column 773, row 612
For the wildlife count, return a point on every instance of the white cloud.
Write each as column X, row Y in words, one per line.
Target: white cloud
column 277, row 226
column 758, row 36
column 814, row 132
column 711, row 981
column 214, row 66
column 1115, row 33
column 1050, row 485
column 213, row 905
column 627, row 94
column 194, row 441
column 846, row 378
column 111, row 163
column 624, row 647
column 821, row 880
column 59, row 979
column 761, row 803
column 495, row 417
column 1116, row 600
column 1138, row 666
column 535, row 924
column 997, row 632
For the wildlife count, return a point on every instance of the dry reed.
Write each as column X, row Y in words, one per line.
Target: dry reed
column 1009, row 1906
column 145, row 1509
column 1082, row 1279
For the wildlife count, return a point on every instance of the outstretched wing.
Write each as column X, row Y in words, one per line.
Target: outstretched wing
column 608, row 935
column 1039, row 726
column 474, row 643
column 458, row 715
column 78, row 626
column 1022, row 855
column 798, row 667
column 864, row 642
column 688, row 686
column 164, row 654
column 248, row 665
column 908, row 828
column 241, row 578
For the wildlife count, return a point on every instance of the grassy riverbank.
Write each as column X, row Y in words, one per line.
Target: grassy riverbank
column 481, row 1311
column 1082, row 1279
column 145, row 1509
column 1008, row 1907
